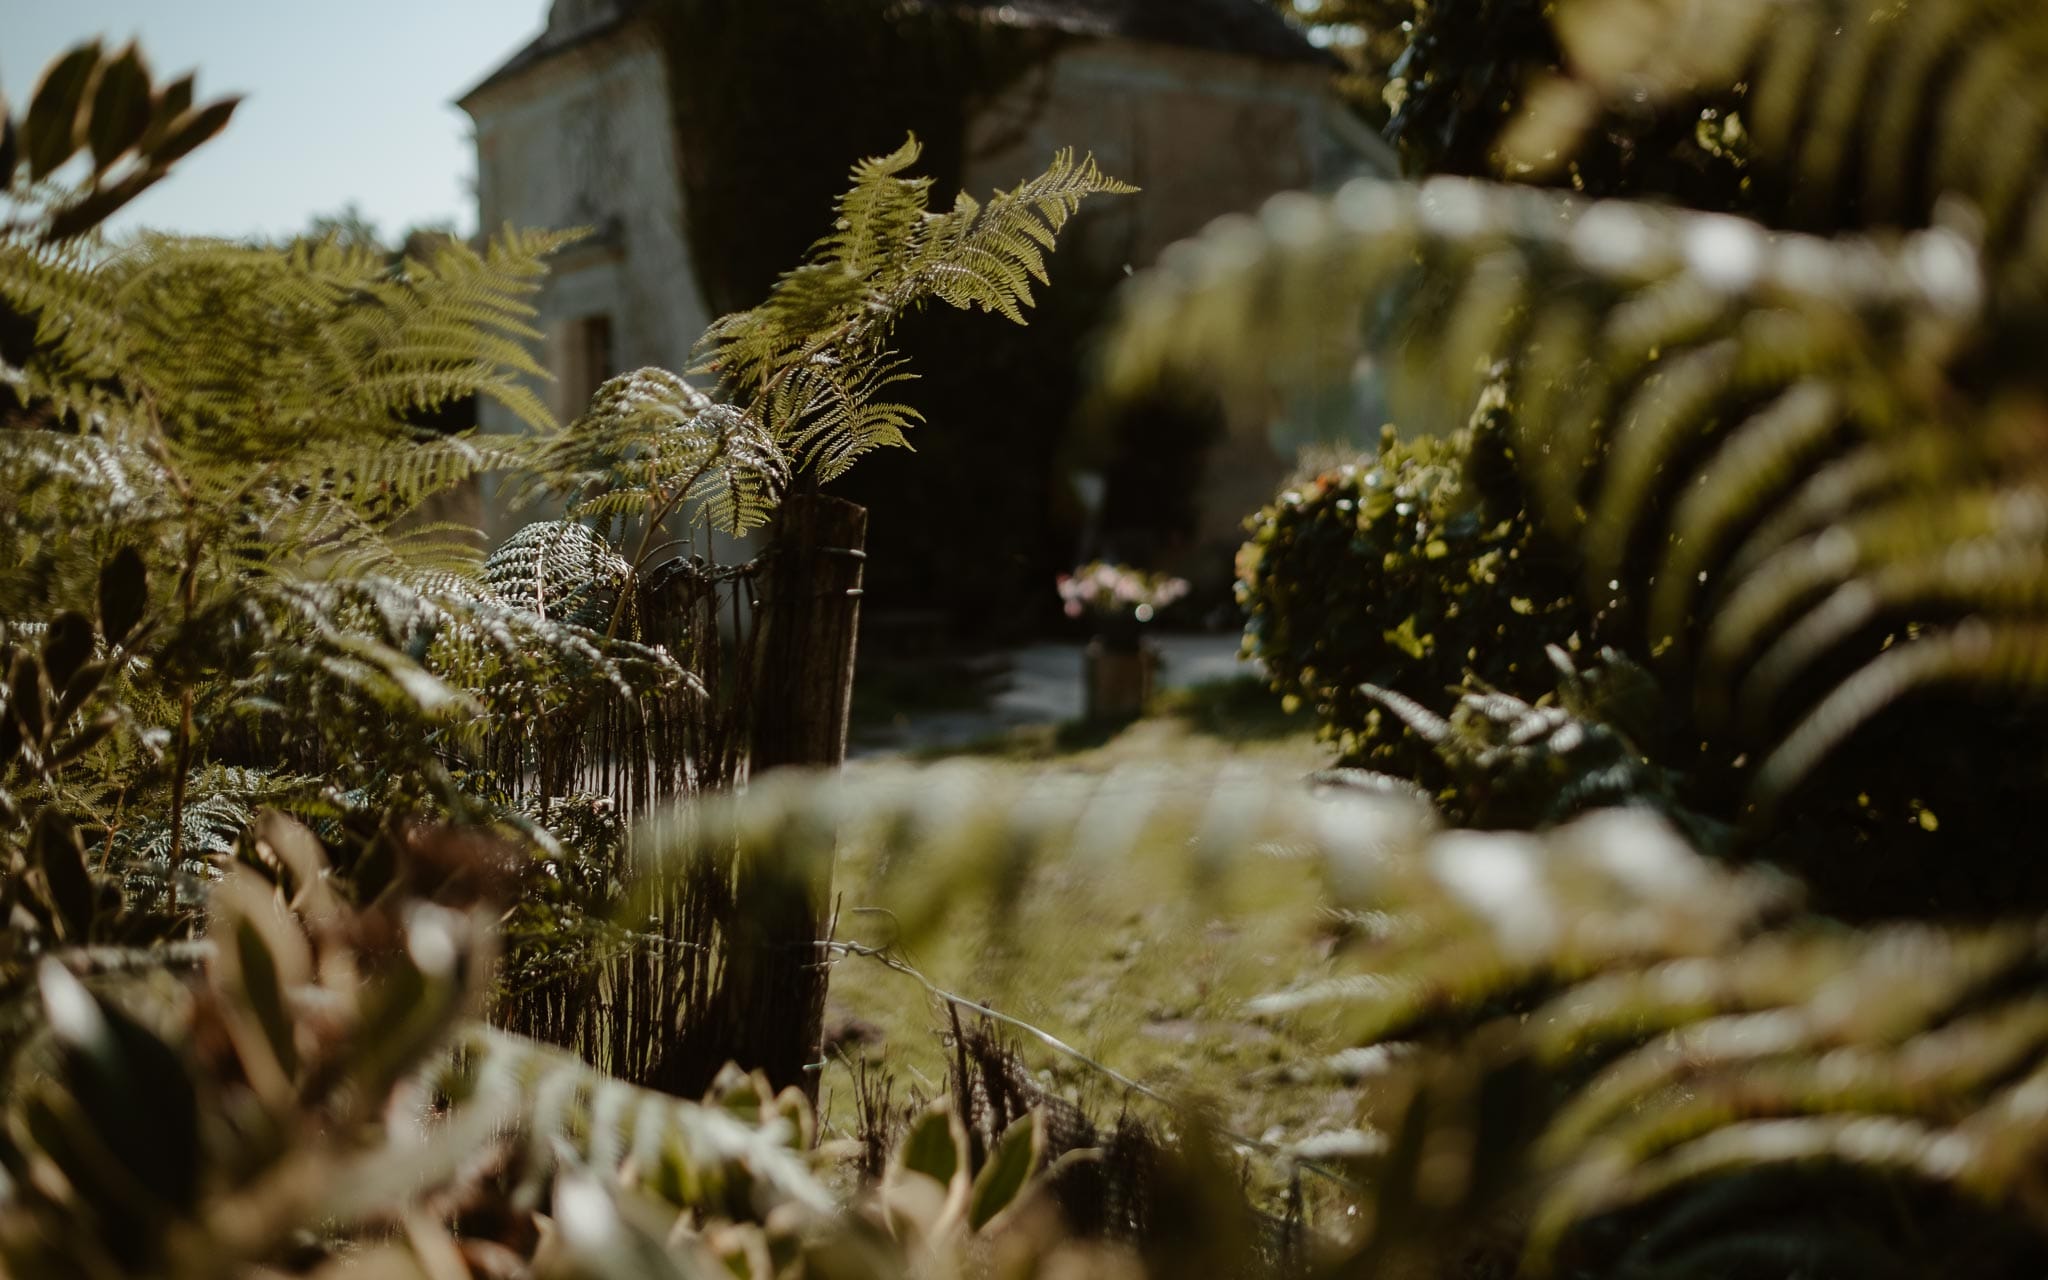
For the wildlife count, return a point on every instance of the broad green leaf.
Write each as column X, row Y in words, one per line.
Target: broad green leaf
column 79, row 687
column 195, row 128
column 600, row 1238
column 85, row 739
column 1008, row 1169
column 25, row 697
column 10, row 728
column 133, row 1088
column 264, row 993
column 742, row 1093
column 170, row 105
column 10, row 145
column 936, row 1145
column 61, row 856
column 795, row 1110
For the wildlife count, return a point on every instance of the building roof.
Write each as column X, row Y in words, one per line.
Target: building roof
column 1249, row 28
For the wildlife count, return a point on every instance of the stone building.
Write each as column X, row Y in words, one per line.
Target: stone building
column 1210, row 106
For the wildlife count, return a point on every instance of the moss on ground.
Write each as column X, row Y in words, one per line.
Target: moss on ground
column 1132, row 964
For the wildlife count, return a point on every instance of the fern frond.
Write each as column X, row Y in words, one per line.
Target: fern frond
column 838, row 412
column 826, row 325
column 559, row 569
column 221, row 802
column 1616, row 1027
column 1854, row 113
column 1788, row 591
column 242, row 347
column 1963, row 575
column 951, row 829
column 1985, row 653
column 1729, row 423
column 78, row 325
column 986, row 255
column 1608, row 1022
column 875, row 219
column 650, row 443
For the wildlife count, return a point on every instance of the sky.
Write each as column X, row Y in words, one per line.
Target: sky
column 345, row 101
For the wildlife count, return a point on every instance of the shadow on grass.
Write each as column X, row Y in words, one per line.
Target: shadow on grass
column 1029, row 742
column 1238, row 710
column 884, row 692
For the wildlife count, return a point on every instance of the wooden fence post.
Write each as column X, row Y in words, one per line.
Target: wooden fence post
column 811, row 627
column 769, row 1010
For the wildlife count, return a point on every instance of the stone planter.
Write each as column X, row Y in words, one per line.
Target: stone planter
column 1118, row 680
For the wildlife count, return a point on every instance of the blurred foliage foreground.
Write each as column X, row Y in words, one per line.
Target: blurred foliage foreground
column 1678, row 914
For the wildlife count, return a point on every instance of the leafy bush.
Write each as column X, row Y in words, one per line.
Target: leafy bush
column 316, row 1091
column 1401, row 571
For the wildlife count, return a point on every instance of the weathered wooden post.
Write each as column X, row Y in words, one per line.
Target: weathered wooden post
column 770, row 1009
column 809, row 635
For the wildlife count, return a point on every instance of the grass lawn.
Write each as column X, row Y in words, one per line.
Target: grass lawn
column 1130, row 964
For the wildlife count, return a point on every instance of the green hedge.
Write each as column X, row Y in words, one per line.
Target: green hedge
column 1405, row 569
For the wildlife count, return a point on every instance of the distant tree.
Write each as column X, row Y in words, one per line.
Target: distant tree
column 348, row 226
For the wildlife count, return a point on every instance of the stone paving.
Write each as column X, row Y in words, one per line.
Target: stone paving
column 1041, row 684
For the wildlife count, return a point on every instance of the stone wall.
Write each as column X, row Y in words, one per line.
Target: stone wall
column 1204, row 135
column 584, row 140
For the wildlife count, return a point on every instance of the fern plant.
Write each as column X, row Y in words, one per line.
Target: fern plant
column 800, row 397
column 1844, row 114
column 1587, row 1052
column 801, row 378
column 803, row 391
column 813, row 357
column 233, row 448
column 1797, row 482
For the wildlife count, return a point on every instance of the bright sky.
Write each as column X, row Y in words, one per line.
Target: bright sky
column 344, row 101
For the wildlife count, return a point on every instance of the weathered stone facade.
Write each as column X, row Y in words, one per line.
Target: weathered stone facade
column 576, row 131
column 581, row 138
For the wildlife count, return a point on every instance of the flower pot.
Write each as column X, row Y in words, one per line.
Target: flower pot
column 1118, row 680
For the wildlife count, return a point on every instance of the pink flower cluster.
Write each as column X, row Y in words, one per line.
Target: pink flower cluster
column 1114, row 588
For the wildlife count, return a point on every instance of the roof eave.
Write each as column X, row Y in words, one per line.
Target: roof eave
column 539, row 53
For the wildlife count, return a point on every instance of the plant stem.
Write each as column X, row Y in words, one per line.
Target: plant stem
column 657, row 512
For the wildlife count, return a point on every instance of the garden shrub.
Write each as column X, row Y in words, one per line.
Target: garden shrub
column 1403, row 570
